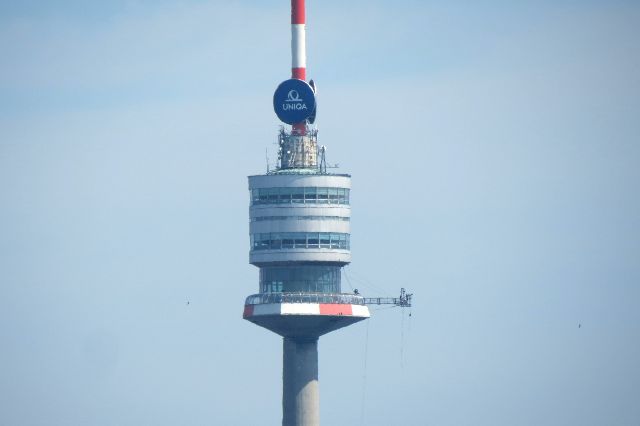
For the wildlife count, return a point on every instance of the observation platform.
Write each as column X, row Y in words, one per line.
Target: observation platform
column 304, row 315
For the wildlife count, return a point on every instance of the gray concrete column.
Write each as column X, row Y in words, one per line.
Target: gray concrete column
column 300, row 397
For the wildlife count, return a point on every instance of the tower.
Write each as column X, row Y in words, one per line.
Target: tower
column 300, row 240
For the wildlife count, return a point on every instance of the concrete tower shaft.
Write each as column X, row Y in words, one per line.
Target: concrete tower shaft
column 301, row 400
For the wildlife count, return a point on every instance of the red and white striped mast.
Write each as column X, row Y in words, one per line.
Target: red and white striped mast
column 298, row 52
column 298, row 45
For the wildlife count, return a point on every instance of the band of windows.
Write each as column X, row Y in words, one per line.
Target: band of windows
column 300, row 195
column 307, row 278
column 263, row 218
column 302, row 240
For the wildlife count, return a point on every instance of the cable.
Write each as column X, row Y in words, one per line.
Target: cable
column 402, row 341
column 364, row 282
column 347, row 277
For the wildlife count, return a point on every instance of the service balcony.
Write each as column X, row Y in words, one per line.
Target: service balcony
column 304, row 315
column 323, row 298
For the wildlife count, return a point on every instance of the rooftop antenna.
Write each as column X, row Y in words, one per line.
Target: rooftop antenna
column 323, row 162
column 266, row 156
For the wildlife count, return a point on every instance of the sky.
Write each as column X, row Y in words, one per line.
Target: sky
column 494, row 152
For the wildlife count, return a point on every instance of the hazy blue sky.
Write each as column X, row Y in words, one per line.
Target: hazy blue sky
column 494, row 148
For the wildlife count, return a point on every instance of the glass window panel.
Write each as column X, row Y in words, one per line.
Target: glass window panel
column 342, row 196
column 272, row 195
column 312, row 240
column 262, row 196
column 295, row 279
column 297, row 195
column 310, row 194
column 275, row 243
column 288, row 240
column 333, row 195
column 325, row 241
column 335, row 241
column 285, row 196
column 323, row 195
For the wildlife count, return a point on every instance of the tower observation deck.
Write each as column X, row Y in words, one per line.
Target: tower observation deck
column 300, row 240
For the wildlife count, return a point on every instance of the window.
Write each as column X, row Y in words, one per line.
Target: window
column 312, row 240
column 288, row 240
column 299, row 240
column 272, row 195
column 310, row 195
column 323, row 195
column 269, row 218
column 275, row 243
column 297, row 194
column 305, row 278
column 285, row 196
column 262, row 196
column 335, row 241
column 261, row 242
column 300, row 195
column 333, row 195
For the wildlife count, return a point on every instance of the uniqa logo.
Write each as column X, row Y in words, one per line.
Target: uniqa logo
column 294, row 96
column 291, row 107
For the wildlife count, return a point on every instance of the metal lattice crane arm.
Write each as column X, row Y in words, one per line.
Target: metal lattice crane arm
column 404, row 301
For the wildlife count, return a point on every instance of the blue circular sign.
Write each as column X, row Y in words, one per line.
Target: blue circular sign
column 294, row 101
